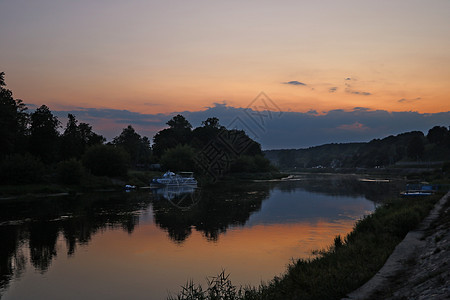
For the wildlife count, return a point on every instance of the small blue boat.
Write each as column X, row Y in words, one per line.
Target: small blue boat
column 419, row 190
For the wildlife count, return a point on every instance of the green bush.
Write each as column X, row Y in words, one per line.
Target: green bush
column 21, row 169
column 180, row 158
column 104, row 160
column 251, row 164
column 70, row 171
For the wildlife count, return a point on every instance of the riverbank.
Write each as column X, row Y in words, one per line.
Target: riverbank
column 138, row 178
column 37, row 190
column 345, row 266
column 419, row 267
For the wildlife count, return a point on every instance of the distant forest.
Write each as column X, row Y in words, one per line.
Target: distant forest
column 410, row 147
column 36, row 148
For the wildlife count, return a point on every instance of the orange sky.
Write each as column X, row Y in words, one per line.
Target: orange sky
column 151, row 56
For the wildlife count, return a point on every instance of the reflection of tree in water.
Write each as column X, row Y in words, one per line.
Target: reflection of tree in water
column 12, row 262
column 344, row 185
column 42, row 242
column 218, row 209
column 76, row 219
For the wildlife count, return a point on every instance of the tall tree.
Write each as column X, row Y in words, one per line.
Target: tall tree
column 209, row 131
column 178, row 133
column 44, row 135
column 137, row 147
column 76, row 138
column 180, row 158
column 439, row 135
column 416, row 147
column 211, row 123
column 106, row 160
column 71, row 143
column 13, row 121
column 89, row 137
column 179, row 123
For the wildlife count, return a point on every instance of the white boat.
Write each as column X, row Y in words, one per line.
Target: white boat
column 180, row 179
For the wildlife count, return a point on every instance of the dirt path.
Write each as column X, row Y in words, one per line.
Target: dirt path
column 419, row 267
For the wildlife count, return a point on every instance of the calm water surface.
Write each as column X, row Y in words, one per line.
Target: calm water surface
column 146, row 244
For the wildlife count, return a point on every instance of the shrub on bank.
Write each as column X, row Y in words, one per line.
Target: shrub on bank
column 70, row 171
column 104, row 160
column 21, row 169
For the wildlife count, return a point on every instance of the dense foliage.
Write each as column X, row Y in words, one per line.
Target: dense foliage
column 137, row 147
column 103, row 160
column 13, row 121
column 35, row 147
column 210, row 149
column 406, row 147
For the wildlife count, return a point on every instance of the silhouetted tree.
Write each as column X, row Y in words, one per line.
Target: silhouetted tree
column 209, row 143
column 71, row 143
column 76, row 138
column 145, row 151
column 21, row 169
column 209, row 131
column 439, row 135
column 179, row 132
column 251, row 164
column 70, row 171
column 44, row 135
column 89, row 137
column 13, row 121
column 416, row 148
column 179, row 123
column 180, row 158
column 105, row 160
column 242, row 143
column 137, row 147
column 211, row 122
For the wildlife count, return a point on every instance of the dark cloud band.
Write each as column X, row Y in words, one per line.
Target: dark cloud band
column 286, row 130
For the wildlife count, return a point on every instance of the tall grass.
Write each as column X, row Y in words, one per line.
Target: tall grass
column 336, row 271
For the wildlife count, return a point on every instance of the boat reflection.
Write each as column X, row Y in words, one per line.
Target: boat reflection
column 183, row 197
column 210, row 211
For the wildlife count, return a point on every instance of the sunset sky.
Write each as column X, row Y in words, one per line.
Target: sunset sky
column 155, row 58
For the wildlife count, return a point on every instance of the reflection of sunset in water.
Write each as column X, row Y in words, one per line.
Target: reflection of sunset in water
column 249, row 254
column 134, row 246
column 147, row 260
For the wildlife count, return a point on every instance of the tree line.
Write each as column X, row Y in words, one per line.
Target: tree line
column 35, row 146
column 412, row 146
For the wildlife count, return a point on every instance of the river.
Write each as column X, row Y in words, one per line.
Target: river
column 146, row 244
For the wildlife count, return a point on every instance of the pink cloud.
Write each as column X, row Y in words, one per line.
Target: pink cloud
column 353, row 127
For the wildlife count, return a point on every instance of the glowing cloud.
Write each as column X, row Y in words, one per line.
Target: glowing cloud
column 404, row 100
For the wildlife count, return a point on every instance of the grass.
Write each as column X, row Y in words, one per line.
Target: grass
column 334, row 272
